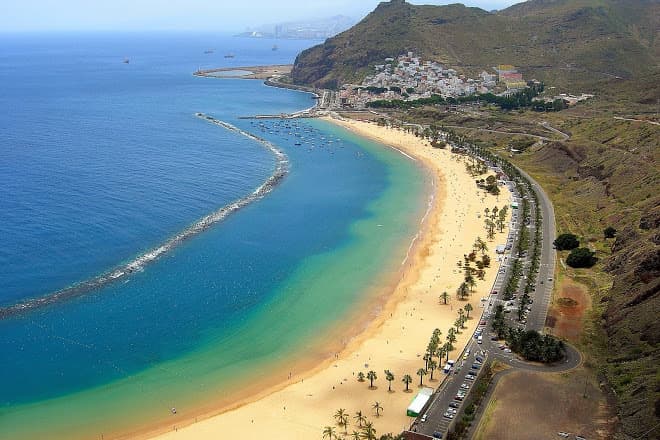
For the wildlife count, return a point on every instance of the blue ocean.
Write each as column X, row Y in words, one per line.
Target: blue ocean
column 103, row 159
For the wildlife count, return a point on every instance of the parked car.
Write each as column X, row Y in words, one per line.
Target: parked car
column 454, row 405
column 465, row 386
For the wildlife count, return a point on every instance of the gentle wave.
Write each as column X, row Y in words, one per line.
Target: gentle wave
column 137, row 265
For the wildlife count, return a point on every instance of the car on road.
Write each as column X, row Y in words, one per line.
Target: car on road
column 437, row 434
column 482, row 322
column 424, row 418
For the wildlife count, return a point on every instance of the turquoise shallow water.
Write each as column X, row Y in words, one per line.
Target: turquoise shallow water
column 246, row 294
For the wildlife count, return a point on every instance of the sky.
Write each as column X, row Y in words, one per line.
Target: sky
column 203, row 15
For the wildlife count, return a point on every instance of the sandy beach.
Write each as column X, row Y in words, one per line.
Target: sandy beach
column 397, row 338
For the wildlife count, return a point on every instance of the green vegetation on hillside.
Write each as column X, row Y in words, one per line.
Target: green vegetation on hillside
column 566, row 43
column 517, row 100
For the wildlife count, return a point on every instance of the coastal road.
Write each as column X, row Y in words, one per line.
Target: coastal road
column 545, row 279
column 437, row 421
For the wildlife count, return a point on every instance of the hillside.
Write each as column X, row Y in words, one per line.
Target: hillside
column 569, row 43
column 607, row 175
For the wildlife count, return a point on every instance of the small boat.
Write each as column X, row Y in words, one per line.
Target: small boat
column 230, row 55
column 208, row 51
column 274, row 47
column 126, row 61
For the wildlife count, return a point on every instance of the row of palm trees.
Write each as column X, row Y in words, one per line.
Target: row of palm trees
column 472, row 273
column 389, row 376
column 365, row 429
column 495, row 219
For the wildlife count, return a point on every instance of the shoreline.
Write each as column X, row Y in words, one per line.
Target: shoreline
column 398, row 295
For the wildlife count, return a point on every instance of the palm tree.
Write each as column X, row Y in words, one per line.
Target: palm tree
column 407, row 380
column 470, row 281
column 368, row 431
column 444, row 297
column 490, row 229
column 463, row 290
column 458, row 324
column 377, row 406
column 451, row 338
column 359, row 418
column 371, row 375
column 389, row 377
column 468, row 308
column 440, row 352
column 421, row 373
column 481, row 246
column 341, row 416
column 329, row 432
column 360, row 376
column 432, row 366
column 356, row 435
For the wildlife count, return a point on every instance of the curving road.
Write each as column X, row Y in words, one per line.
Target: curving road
column 436, row 423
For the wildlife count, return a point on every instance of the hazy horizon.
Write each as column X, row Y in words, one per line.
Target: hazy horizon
column 185, row 15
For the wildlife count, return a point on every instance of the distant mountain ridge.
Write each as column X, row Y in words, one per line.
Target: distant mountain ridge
column 563, row 42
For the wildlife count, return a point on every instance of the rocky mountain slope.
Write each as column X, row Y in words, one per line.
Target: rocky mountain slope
column 563, row 42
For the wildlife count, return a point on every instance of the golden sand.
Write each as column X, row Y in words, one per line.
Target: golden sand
column 397, row 338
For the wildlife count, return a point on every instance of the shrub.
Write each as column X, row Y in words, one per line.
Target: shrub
column 581, row 257
column 566, row 242
column 609, row 232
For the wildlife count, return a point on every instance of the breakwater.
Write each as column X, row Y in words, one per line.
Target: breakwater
column 138, row 264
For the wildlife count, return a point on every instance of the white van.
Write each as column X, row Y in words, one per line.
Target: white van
column 480, row 339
